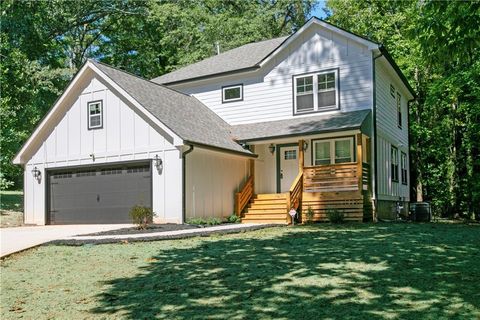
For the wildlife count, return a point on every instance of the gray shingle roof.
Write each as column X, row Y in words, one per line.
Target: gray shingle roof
column 185, row 115
column 301, row 126
column 246, row 56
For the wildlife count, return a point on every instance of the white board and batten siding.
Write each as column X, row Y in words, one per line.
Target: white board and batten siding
column 268, row 93
column 212, row 179
column 389, row 134
column 125, row 136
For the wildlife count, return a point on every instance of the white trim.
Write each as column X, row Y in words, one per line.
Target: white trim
column 90, row 115
column 224, row 99
column 177, row 141
column 315, row 92
column 332, row 148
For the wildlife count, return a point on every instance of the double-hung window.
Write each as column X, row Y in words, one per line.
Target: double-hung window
column 394, row 162
column 333, row 151
column 316, row 92
column 403, row 166
column 95, row 114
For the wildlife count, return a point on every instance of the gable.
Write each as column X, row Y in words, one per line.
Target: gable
column 67, row 137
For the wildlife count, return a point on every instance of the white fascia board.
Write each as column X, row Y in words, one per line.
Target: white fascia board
column 369, row 44
column 18, row 159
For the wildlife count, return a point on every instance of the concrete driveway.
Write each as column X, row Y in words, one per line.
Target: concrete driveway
column 21, row 238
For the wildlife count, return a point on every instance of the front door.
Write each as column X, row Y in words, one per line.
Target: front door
column 288, row 169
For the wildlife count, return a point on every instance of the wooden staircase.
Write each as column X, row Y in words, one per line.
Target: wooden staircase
column 267, row 208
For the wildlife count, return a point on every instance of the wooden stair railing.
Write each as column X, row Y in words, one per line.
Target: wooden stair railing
column 243, row 197
column 294, row 195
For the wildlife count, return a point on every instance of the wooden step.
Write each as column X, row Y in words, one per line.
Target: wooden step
column 272, row 196
column 244, row 220
column 255, row 210
column 266, row 216
column 270, row 201
column 267, row 205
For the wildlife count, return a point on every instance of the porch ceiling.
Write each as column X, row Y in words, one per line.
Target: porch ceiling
column 301, row 126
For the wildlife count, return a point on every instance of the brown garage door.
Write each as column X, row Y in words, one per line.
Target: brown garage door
column 98, row 194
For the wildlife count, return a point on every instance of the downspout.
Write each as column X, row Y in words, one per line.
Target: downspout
column 374, row 114
column 184, row 184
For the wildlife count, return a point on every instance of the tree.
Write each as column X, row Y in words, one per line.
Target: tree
column 436, row 44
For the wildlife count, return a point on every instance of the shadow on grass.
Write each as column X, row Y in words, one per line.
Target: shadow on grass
column 354, row 271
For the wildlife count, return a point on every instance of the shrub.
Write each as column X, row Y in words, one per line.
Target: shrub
column 141, row 216
column 214, row 221
column 204, row 221
column 335, row 216
column 309, row 214
column 197, row 221
column 233, row 218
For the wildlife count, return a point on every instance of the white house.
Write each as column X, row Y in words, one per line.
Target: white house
column 315, row 120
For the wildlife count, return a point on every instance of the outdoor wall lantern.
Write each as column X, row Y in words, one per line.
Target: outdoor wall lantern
column 158, row 164
column 305, row 145
column 271, row 147
column 37, row 174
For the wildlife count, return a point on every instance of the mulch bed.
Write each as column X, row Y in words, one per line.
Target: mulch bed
column 151, row 228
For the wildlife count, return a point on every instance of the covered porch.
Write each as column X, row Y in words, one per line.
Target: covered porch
column 318, row 170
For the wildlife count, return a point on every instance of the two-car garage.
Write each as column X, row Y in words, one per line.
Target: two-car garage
column 98, row 194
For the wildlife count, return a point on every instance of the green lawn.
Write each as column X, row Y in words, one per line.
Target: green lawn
column 357, row 271
column 11, row 208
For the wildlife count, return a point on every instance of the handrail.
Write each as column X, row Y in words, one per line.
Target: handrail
column 294, row 196
column 243, row 197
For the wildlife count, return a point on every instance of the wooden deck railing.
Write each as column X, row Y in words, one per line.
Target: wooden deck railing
column 334, row 177
column 243, row 197
column 294, row 195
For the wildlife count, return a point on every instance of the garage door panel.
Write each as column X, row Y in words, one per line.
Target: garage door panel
column 101, row 195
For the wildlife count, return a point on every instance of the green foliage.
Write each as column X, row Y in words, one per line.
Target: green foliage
column 436, row 44
column 44, row 43
column 335, row 216
column 201, row 221
column 141, row 216
column 309, row 214
column 233, row 218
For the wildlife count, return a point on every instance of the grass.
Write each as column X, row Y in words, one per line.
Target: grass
column 351, row 271
column 11, row 208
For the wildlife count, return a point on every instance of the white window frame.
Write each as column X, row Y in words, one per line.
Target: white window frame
column 315, row 75
column 332, row 150
column 90, row 116
column 394, row 166
column 403, row 167
column 399, row 110
column 232, row 87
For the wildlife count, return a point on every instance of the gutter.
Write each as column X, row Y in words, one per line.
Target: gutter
column 224, row 150
column 184, row 185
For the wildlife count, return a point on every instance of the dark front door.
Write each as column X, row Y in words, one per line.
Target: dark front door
column 98, row 194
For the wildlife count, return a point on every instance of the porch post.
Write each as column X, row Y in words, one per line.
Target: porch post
column 301, row 156
column 359, row 162
column 252, row 169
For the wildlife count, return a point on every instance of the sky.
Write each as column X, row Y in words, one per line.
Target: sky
column 318, row 11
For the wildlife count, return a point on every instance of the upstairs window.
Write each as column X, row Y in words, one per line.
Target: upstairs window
column 316, row 92
column 403, row 166
column 394, row 166
column 399, row 110
column 232, row 93
column 392, row 91
column 95, row 115
column 333, row 151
